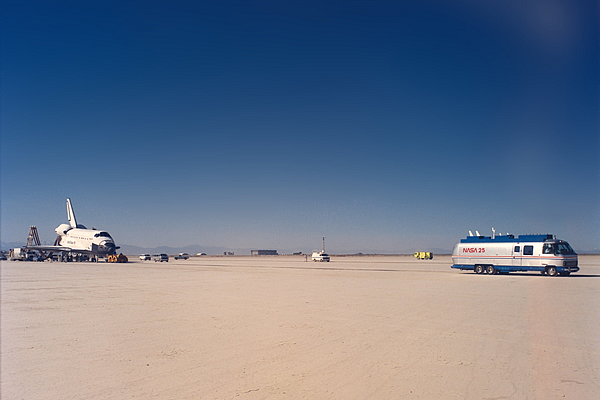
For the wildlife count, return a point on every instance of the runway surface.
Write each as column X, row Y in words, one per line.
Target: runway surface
column 386, row 327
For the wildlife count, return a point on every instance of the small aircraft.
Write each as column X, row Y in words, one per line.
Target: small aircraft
column 76, row 238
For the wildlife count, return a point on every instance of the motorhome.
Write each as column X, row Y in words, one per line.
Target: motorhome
column 504, row 254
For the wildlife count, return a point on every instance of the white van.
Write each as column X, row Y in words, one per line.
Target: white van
column 160, row 257
column 320, row 256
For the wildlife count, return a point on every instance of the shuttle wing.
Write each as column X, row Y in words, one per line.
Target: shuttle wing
column 49, row 248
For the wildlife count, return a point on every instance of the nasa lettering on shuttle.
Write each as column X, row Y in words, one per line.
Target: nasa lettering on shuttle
column 76, row 238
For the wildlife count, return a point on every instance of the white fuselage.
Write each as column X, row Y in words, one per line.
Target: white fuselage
column 86, row 240
column 76, row 238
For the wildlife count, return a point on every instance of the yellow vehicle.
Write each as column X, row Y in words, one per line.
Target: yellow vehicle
column 424, row 255
column 113, row 258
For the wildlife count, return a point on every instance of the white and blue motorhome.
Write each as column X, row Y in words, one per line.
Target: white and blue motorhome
column 503, row 254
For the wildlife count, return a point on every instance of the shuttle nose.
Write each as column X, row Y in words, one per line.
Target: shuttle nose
column 107, row 247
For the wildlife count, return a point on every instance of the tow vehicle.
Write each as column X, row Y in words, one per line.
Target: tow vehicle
column 423, row 255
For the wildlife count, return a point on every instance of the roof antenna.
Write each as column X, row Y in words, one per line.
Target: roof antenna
column 493, row 233
column 470, row 233
column 477, row 232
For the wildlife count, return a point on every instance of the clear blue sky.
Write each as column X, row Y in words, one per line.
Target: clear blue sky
column 381, row 125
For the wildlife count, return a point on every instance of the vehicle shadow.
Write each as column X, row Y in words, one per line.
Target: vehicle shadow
column 573, row 275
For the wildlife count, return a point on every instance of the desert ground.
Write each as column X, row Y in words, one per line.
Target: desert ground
column 275, row 327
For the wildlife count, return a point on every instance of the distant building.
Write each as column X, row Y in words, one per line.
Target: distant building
column 263, row 252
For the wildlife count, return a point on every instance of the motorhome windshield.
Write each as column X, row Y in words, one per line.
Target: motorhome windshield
column 557, row 248
column 564, row 248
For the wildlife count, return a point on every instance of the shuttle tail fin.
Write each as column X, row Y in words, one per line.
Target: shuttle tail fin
column 71, row 214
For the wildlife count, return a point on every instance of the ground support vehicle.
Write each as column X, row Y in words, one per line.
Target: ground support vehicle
column 113, row 258
column 160, row 257
column 23, row 254
column 320, row 256
column 504, row 254
column 182, row 256
column 423, row 255
column 145, row 257
column 17, row 254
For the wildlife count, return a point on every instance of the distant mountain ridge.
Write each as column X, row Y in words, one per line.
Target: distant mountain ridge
column 218, row 250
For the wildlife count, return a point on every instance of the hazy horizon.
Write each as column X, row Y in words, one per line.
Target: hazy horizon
column 380, row 125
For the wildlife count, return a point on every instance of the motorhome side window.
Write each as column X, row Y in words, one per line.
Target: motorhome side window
column 548, row 249
column 527, row 250
column 517, row 249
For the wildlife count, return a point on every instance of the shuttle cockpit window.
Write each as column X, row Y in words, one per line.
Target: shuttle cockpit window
column 102, row 234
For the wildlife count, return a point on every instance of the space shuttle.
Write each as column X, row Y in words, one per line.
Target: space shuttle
column 76, row 238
